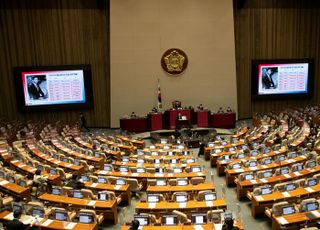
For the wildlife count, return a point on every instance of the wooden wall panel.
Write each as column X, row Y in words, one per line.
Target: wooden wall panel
column 274, row 29
column 55, row 32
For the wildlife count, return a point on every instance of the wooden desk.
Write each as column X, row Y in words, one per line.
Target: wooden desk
column 108, row 208
column 82, row 142
column 207, row 150
column 259, row 203
column 26, row 169
column 95, row 160
column 147, row 165
column 221, row 164
column 294, row 221
column 14, row 189
column 223, row 120
column 231, row 174
column 242, row 132
column 53, row 224
column 142, row 177
column 70, row 167
column 247, row 185
column 145, row 207
column 137, row 143
column 124, row 148
column 168, row 189
column 124, row 190
column 208, row 226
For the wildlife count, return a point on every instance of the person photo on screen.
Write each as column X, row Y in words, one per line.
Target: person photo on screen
column 37, row 87
column 269, row 78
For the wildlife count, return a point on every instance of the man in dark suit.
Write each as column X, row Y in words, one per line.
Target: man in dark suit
column 34, row 89
column 16, row 224
column 267, row 80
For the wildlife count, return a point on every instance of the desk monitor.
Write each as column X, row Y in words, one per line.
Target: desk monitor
column 53, row 171
column 103, row 196
column 166, row 147
column 102, row 180
column 190, row 160
column 38, row 211
column 218, row 150
column 311, row 164
column 252, row 164
column 293, row 155
column 140, row 153
column 120, row 182
column 186, row 152
column 284, row 170
column 97, row 155
column 177, row 170
column 170, row 153
column 287, row 210
column 281, row 158
column 267, row 174
column 169, row 220
column 180, row 147
column 232, row 149
column 77, row 194
column 2, row 174
column 61, row 215
column 196, row 168
column 266, row 150
column 56, row 190
column 181, row 198
column 143, row 219
column 312, row 206
column 244, row 147
column 298, row 167
column 17, row 206
column 266, row 190
column 84, row 178
column 210, row 196
column 267, row 161
column 311, row 182
column 290, row 187
column 65, row 160
column 10, row 179
column 157, row 161
column 154, row 153
column 159, row 170
column 124, row 169
column 161, row 182
column 224, row 143
column 125, row 159
column 163, row 141
column 249, row 176
column 153, row 198
column 141, row 170
column 254, row 153
column 152, row 147
column 227, row 215
column 140, row 160
column 174, row 161
column 241, row 155
column 22, row 183
column 199, row 218
column 85, row 218
column 76, row 162
column 182, row 182
column 236, row 166
column 226, row 157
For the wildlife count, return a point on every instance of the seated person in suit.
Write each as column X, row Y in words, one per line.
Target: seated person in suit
column 179, row 117
column 154, row 110
column 220, row 110
column 34, row 89
column 176, row 104
column 228, row 225
column 200, row 107
column 16, row 224
column 133, row 115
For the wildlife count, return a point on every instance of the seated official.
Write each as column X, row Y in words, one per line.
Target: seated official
column 133, row 115
column 75, row 183
column 16, row 224
column 228, row 225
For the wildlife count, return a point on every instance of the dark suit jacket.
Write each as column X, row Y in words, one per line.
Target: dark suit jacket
column 16, row 224
column 268, row 83
column 35, row 92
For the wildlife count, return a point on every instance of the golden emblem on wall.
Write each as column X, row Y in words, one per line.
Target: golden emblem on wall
column 174, row 61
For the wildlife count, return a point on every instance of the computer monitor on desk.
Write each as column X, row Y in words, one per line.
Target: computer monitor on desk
column 61, row 215
column 177, row 170
column 56, row 190
column 140, row 161
column 311, row 182
column 123, row 169
column 38, row 211
column 312, row 206
column 77, row 194
column 141, row 170
column 266, row 190
column 120, row 182
column 161, row 182
column 182, row 182
column 249, row 176
column 103, row 196
column 85, row 218
column 181, row 198
column 290, row 187
column 84, row 178
column 210, row 196
column 196, row 169
column 169, row 220
column 287, row 210
column 143, row 219
column 199, row 218
column 102, row 180
column 153, row 198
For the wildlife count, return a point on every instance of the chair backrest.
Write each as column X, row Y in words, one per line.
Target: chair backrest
column 214, row 216
column 133, row 184
column 151, row 182
column 197, row 180
column 277, row 208
column 87, row 193
column 172, row 182
column 59, row 214
column 202, row 195
column 182, row 217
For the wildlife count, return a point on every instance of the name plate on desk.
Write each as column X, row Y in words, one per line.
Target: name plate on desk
column 282, row 220
column 152, row 205
column 47, row 222
column 209, row 203
column 182, row 205
column 286, row 194
column 309, row 189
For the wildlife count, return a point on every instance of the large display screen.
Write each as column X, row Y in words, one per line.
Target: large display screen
column 58, row 87
column 282, row 78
